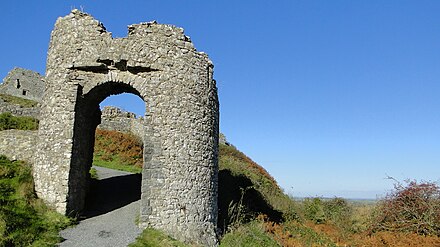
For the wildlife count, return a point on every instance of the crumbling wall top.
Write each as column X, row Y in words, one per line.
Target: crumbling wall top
column 80, row 42
column 115, row 112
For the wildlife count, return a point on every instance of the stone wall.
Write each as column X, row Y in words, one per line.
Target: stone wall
column 180, row 132
column 18, row 144
column 23, row 83
column 113, row 118
column 18, row 110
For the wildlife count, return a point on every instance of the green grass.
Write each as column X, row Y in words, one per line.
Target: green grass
column 24, row 219
column 250, row 234
column 93, row 173
column 115, row 164
column 18, row 101
column 154, row 238
column 9, row 121
column 307, row 236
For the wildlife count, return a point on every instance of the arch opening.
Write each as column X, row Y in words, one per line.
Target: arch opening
column 115, row 189
column 127, row 102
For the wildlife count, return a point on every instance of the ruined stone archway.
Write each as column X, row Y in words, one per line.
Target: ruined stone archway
column 87, row 118
column 159, row 64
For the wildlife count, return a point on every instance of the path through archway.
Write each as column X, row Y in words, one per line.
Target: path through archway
column 116, row 147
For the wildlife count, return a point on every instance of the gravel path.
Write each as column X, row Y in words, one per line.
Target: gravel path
column 111, row 212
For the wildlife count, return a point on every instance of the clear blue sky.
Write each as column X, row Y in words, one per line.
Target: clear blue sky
column 329, row 96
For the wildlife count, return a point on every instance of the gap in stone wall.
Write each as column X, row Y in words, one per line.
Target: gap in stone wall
column 110, row 193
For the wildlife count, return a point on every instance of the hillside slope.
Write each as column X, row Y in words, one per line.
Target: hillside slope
column 118, row 150
column 246, row 189
column 254, row 211
column 24, row 219
column 241, row 180
column 250, row 186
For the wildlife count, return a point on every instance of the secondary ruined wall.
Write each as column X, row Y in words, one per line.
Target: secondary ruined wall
column 113, row 118
column 18, row 110
column 180, row 130
column 23, row 83
column 18, row 144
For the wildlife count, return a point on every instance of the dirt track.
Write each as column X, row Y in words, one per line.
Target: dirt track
column 110, row 214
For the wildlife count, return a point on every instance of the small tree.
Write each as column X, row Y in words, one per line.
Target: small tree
column 411, row 207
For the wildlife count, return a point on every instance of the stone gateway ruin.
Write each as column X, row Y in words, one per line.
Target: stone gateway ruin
column 158, row 63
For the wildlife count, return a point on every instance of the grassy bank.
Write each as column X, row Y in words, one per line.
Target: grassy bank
column 154, row 238
column 24, row 219
column 117, row 150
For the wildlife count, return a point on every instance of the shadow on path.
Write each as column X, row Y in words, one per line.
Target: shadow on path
column 112, row 193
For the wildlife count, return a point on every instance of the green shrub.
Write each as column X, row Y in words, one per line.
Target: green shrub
column 238, row 165
column 339, row 212
column 8, row 121
column 24, row 219
column 336, row 211
column 313, row 209
column 411, row 207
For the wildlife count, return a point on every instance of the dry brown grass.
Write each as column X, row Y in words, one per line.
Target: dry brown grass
column 228, row 151
column 310, row 233
column 110, row 145
column 400, row 239
column 281, row 234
